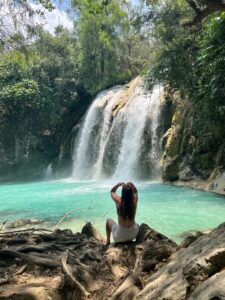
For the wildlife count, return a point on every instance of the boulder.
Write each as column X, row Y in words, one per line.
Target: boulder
column 156, row 247
column 186, row 174
column 91, row 231
column 219, row 184
column 190, row 268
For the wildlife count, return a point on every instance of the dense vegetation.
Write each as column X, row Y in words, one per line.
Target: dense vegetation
column 47, row 81
column 189, row 58
column 40, row 88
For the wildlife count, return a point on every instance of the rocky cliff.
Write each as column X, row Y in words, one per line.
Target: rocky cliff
column 27, row 156
column 193, row 151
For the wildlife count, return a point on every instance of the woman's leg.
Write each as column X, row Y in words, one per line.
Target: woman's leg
column 109, row 225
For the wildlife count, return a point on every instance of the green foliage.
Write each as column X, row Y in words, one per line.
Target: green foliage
column 192, row 61
column 18, row 93
column 111, row 49
column 175, row 51
column 55, row 66
column 211, row 60
column 97, row 29
column 180, row 2
column 39, row 84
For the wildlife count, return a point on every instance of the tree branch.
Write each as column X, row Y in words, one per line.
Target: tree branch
column 213, row 6
column 194, row 6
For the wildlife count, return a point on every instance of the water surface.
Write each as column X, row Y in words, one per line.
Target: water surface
column 168, row 209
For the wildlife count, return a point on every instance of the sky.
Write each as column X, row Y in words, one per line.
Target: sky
column 57, row 16
column 50, row 20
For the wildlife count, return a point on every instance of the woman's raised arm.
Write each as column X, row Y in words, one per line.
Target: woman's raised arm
column 114, row 196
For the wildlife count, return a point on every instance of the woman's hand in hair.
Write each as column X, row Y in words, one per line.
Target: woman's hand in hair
column 132, row 186
column 113, row 190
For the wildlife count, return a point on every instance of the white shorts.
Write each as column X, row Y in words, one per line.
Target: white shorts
column 124, row 234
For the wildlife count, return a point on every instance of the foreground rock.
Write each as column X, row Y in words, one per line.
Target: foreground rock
column 61, row 265
column 196, row 272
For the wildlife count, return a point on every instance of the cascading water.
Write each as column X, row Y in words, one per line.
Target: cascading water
column 135, row 114
column 112, row 139
column 48, row 172
column 84, row 147
column 154, row 109
column 104, row 133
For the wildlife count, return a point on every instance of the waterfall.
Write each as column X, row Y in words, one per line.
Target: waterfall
column 154, row 109
column 120, row 127
column 48, row 172
column 104, row 134
column 82, row 167
column 135, row 117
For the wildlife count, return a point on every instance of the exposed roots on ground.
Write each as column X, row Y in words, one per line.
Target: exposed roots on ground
column 63, row 265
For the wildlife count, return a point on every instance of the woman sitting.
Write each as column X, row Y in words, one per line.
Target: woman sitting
column 126, row 205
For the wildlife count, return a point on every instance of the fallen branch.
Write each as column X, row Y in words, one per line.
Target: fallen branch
column 4, row 280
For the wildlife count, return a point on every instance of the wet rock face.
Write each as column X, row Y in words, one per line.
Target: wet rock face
column 193, row 155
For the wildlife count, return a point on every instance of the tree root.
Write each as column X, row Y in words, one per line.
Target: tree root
column 31, row 259
column 79, row 290
column 21, row 270
column 128, row 289
column 36, row 248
